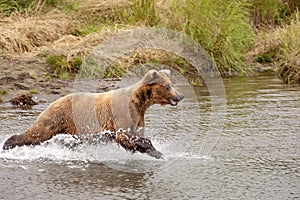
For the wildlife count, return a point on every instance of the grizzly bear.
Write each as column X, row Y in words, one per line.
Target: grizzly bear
column 118, row 112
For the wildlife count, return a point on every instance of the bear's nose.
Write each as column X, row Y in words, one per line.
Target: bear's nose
column 179, row 96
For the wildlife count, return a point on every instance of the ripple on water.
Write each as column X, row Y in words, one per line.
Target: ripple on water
column 256, row 157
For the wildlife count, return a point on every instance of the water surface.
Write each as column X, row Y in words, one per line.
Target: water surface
column 257, row 155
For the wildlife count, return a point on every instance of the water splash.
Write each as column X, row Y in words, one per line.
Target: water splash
column 66, row 149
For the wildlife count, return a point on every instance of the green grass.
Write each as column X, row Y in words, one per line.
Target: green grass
column 34, row 75
column 279, row 47
column 271, row 13
column 225, row 28
column 114, row 71
column 267, row 57
column 143, row 11
column 33, row 91
column 3, row 92
column 64, row 76
column 91, row 69
column 221, row 27
column 85, row 29
column 65, row 69
column 9, row 6
column 289, row 52
column 34, row 7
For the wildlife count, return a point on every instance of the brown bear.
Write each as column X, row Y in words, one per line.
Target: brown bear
column 121, row 112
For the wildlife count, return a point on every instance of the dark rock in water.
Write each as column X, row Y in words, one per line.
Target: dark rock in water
column 21, row 86
column 42, row 101
column 23, row 100
column 23, row 76
column 112, row 79
column 7, row 80
column 54, row 92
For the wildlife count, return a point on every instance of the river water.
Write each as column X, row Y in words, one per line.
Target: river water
column 256, row 155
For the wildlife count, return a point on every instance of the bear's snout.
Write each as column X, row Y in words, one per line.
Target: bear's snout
column 177, row 97
column 180, row 97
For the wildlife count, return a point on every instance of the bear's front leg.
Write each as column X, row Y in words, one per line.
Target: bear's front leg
column 136, row 143
column 144, row 145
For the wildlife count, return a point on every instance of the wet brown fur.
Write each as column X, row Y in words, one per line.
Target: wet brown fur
column 123, row 108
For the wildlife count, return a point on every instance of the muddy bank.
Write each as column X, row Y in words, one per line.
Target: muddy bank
column 33, row 76
column 30, row 76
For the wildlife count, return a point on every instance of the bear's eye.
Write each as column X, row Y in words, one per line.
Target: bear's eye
column 167, row 87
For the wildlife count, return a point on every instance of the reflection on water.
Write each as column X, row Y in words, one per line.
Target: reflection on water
column 256, row 157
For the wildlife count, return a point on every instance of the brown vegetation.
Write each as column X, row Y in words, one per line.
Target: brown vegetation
column 20, row 35
column 280, row 47
column 72, row 28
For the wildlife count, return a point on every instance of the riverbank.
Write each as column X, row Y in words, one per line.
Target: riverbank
column 28, row 76
column 43, row 43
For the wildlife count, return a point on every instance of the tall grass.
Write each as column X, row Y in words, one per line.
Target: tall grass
column 226, row 29
column 34, row 7
column 289, row 57
column 9, row 6
column 272, row 13
column 221, row 26
column 279, row 47
column 143, row 11
column 63, row 67
column 266, row 13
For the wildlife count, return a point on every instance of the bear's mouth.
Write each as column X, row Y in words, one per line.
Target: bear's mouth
column 173, row 102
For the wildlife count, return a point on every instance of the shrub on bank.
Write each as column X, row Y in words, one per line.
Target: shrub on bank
column 227, row 29
column 289, row 53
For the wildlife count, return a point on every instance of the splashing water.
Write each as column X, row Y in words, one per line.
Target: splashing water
column 66, row 148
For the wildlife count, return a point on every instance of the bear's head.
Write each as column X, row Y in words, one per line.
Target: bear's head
column 160, row 88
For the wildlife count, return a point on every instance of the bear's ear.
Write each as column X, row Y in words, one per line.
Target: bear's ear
column 166, row 72
column 150, row 76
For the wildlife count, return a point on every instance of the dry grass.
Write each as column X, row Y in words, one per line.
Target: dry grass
column 282, row 46
column 19, row 34
column 289, row 60
column 160, row 57
column 70, row 45
column 75, row 33
column 52, row 33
